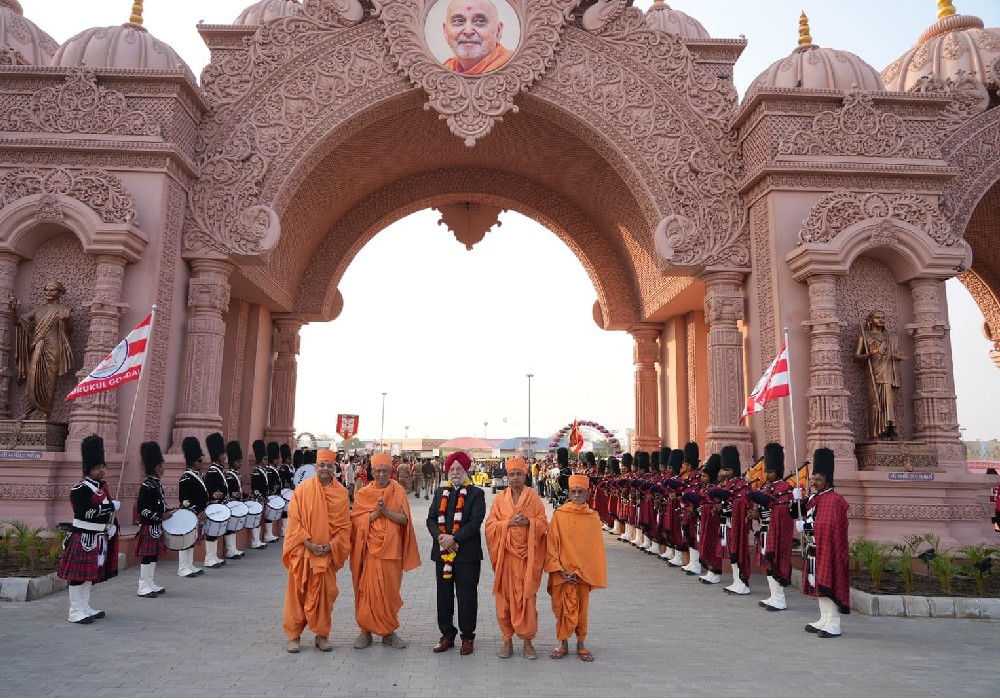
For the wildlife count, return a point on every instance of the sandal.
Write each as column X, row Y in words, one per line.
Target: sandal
column 584, row 655
column 558, row 653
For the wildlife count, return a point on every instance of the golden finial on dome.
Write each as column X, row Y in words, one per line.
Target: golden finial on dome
column 804, row 37
column 136, row 17
column 945, row 8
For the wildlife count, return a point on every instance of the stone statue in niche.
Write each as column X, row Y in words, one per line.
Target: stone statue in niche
column 42, row 350
column 878, row 349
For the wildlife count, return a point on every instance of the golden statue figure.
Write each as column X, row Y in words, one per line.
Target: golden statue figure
column 879, row 350
column 42, row 350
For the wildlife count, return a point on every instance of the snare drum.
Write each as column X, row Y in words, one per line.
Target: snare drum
column 286, row 494
column 238, row 519
column 216, row 519
column 254, row 513
column 180, row 530
column 273, row 508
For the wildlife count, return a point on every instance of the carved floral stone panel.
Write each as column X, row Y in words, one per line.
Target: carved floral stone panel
column 101, row 191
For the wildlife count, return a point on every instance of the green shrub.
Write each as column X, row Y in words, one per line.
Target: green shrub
column 944, row 568
column 976, row 554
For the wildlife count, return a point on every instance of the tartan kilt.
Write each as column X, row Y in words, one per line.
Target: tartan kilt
column 79, row 558
column 150, row 541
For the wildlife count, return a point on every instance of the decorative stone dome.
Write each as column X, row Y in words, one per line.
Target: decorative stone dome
column 267, row 10
column 128, row 46
column 661, row 17
column 21, row 41
column 955, row 43
column 812, row 67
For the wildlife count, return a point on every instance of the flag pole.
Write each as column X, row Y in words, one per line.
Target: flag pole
column 135, row 402
column 791, row 402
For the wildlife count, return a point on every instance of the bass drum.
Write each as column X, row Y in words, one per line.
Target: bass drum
column 255, row 511
column 302, row 473
column 180, row 530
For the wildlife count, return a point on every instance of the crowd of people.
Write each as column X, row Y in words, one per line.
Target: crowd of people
column 333, row 511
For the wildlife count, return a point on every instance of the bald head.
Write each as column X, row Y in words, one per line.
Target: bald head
column 473, row 29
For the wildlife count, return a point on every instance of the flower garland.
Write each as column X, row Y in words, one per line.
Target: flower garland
column 448, row 557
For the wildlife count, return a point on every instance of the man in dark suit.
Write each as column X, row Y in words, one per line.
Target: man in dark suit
column 455, row 520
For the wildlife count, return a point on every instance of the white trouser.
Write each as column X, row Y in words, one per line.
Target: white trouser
column 829, row 609
column 694, row 561
column 737, row 586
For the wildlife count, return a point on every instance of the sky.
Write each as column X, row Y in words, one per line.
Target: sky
column 451, row 355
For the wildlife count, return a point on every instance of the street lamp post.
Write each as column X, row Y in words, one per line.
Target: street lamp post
column 406, row 431
column 381, row 435
column 485, row 423
column 531, row 451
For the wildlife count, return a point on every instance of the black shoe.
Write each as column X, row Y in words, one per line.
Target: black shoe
column 811, row 630
column 151, row 594
column 84, row 621
column 99, row 615
column 823, row 634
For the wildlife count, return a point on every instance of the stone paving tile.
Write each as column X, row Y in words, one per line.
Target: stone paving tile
column 654, row 632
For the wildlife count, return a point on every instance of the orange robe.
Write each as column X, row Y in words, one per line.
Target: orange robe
column 517, row 555
column 575, row 545
column 321, row 515
column 496, row 58
column 381, row 551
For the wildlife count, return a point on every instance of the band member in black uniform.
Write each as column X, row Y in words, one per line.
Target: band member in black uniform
column 90, row 551
column 285, row 474
column 273, row 485
column 215, row 482
column 234, row 487
column 259, row 488
column 193, row 495
column 152, row 508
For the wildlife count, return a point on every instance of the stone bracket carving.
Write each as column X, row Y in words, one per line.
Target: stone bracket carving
column 472, row 105
column 602, row 13
column 469, row 221
column 101, row 191
column 79, row 105
column 859, row 128
column 843, row 208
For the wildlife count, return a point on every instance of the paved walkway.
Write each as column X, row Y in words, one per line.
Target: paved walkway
column 654, row 632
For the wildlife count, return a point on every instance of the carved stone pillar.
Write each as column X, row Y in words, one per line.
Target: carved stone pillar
column 208, row 299
column 284, row 375
column 98, row 413
column 726, row 388
column 8, row 272
column 934, row 410
column 645, row 355
column 829, row 420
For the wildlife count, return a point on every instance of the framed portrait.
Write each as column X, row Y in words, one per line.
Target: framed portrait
column 472, row 37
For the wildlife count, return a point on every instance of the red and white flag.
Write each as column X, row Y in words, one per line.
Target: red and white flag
column 575, row 439
column 122, row 365
column 773, row 385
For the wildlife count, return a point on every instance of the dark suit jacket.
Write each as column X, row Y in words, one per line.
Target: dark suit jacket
column 469, row 535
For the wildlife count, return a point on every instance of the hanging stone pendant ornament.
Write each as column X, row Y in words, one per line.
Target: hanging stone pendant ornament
column 472, row 57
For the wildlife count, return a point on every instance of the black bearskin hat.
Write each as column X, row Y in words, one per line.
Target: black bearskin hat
column 191, row 449
column 273, row 451
column 823, row 464
column 676, row 460
column 654, row 460
column 562, row 457
column 691, row 455
column 297, row 459
column 642, row 460
column 664, row 456
column 591, row 460
column 151, row 456
column 286, row 452
column 731, row 459
column 216, row 446
column 627, row 460
column 234, row 453
column 613, row 466
column 309, row 457
column 774, row 459
column 712, row 466
column 259, row 450
column 92, row 452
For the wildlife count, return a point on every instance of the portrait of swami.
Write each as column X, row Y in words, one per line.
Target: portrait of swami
column 474, row 32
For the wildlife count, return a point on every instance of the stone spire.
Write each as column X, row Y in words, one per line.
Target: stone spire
column 805, row 38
